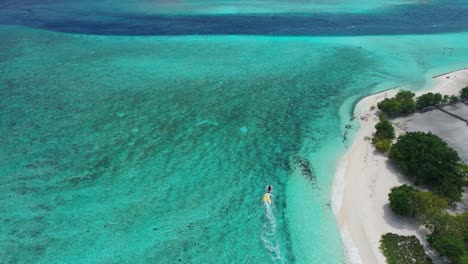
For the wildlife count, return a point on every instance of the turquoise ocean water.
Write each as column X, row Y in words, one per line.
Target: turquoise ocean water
column 157, row 149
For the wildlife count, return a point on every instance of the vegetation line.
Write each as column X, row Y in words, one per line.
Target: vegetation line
column 426, row 160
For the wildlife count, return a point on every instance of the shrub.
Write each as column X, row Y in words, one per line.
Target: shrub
column 465, row 257
column 437, row 99
column 448, row 232
column 382, row 144
column 464, row 93
column 384, row 129
column 448, row 245
column 403, row 249
column 407, row 201
column 389, row 106
column 445, row 99
column 384, row 134
column 427, row 159
column 402, row 200
column 453, row 99
column 401, row 104
column 407, row 105
column 428, row 99
column 382, row 117
column 427, row 204
column 463, row 170
column 404, row 95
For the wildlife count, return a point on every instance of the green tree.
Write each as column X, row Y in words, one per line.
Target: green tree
column 402, row 200
column 428, row 99
column 464, row 217
column 437, row 99
column 404, row 95
column 389, row 106
column 402, row 104
column 448, row 233
column 382, row 144
column 424, row 100
column 464, row 93
column 448, row 245
column 407, row 104
column 427, row 204
column 445, row 99
column 430, row 209
column 427, row 159
column 384, row 129
column 463, row 170
column 453, row 99
column 403, row 249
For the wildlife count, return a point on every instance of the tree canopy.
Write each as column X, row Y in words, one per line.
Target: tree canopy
column 449, row 246
column 448, row 236
column 447, row 231
column 384, row 129
column 402, row 104
column 402, row 200
column 454, row 99
column 383, row 136
column 427, row 204
column 464, row 93
column 427, row 159
column 428, row 99
column 406, row 200
column 403, row 249
column 382, row 144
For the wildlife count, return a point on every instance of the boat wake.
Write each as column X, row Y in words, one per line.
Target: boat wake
column 268, row 235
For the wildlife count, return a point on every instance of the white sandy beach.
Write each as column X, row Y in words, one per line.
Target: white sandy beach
column 364, row 178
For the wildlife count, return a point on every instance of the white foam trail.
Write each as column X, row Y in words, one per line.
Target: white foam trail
column 268, row 234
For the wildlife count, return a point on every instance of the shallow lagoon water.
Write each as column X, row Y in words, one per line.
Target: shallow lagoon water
column 120, row 149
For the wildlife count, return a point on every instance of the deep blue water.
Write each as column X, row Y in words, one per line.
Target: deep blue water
column 402, row 19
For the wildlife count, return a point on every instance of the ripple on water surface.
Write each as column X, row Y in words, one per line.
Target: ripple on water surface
column 158, row 149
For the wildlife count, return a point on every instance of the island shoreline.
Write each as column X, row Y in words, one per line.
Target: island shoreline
column 363, row 178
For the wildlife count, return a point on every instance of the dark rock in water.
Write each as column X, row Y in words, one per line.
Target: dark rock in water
column 304, row 165
column 32, row 166
column 348, row 126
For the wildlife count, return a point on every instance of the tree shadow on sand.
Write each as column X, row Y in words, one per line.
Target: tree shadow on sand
column 393, row 168
column 407, row 224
